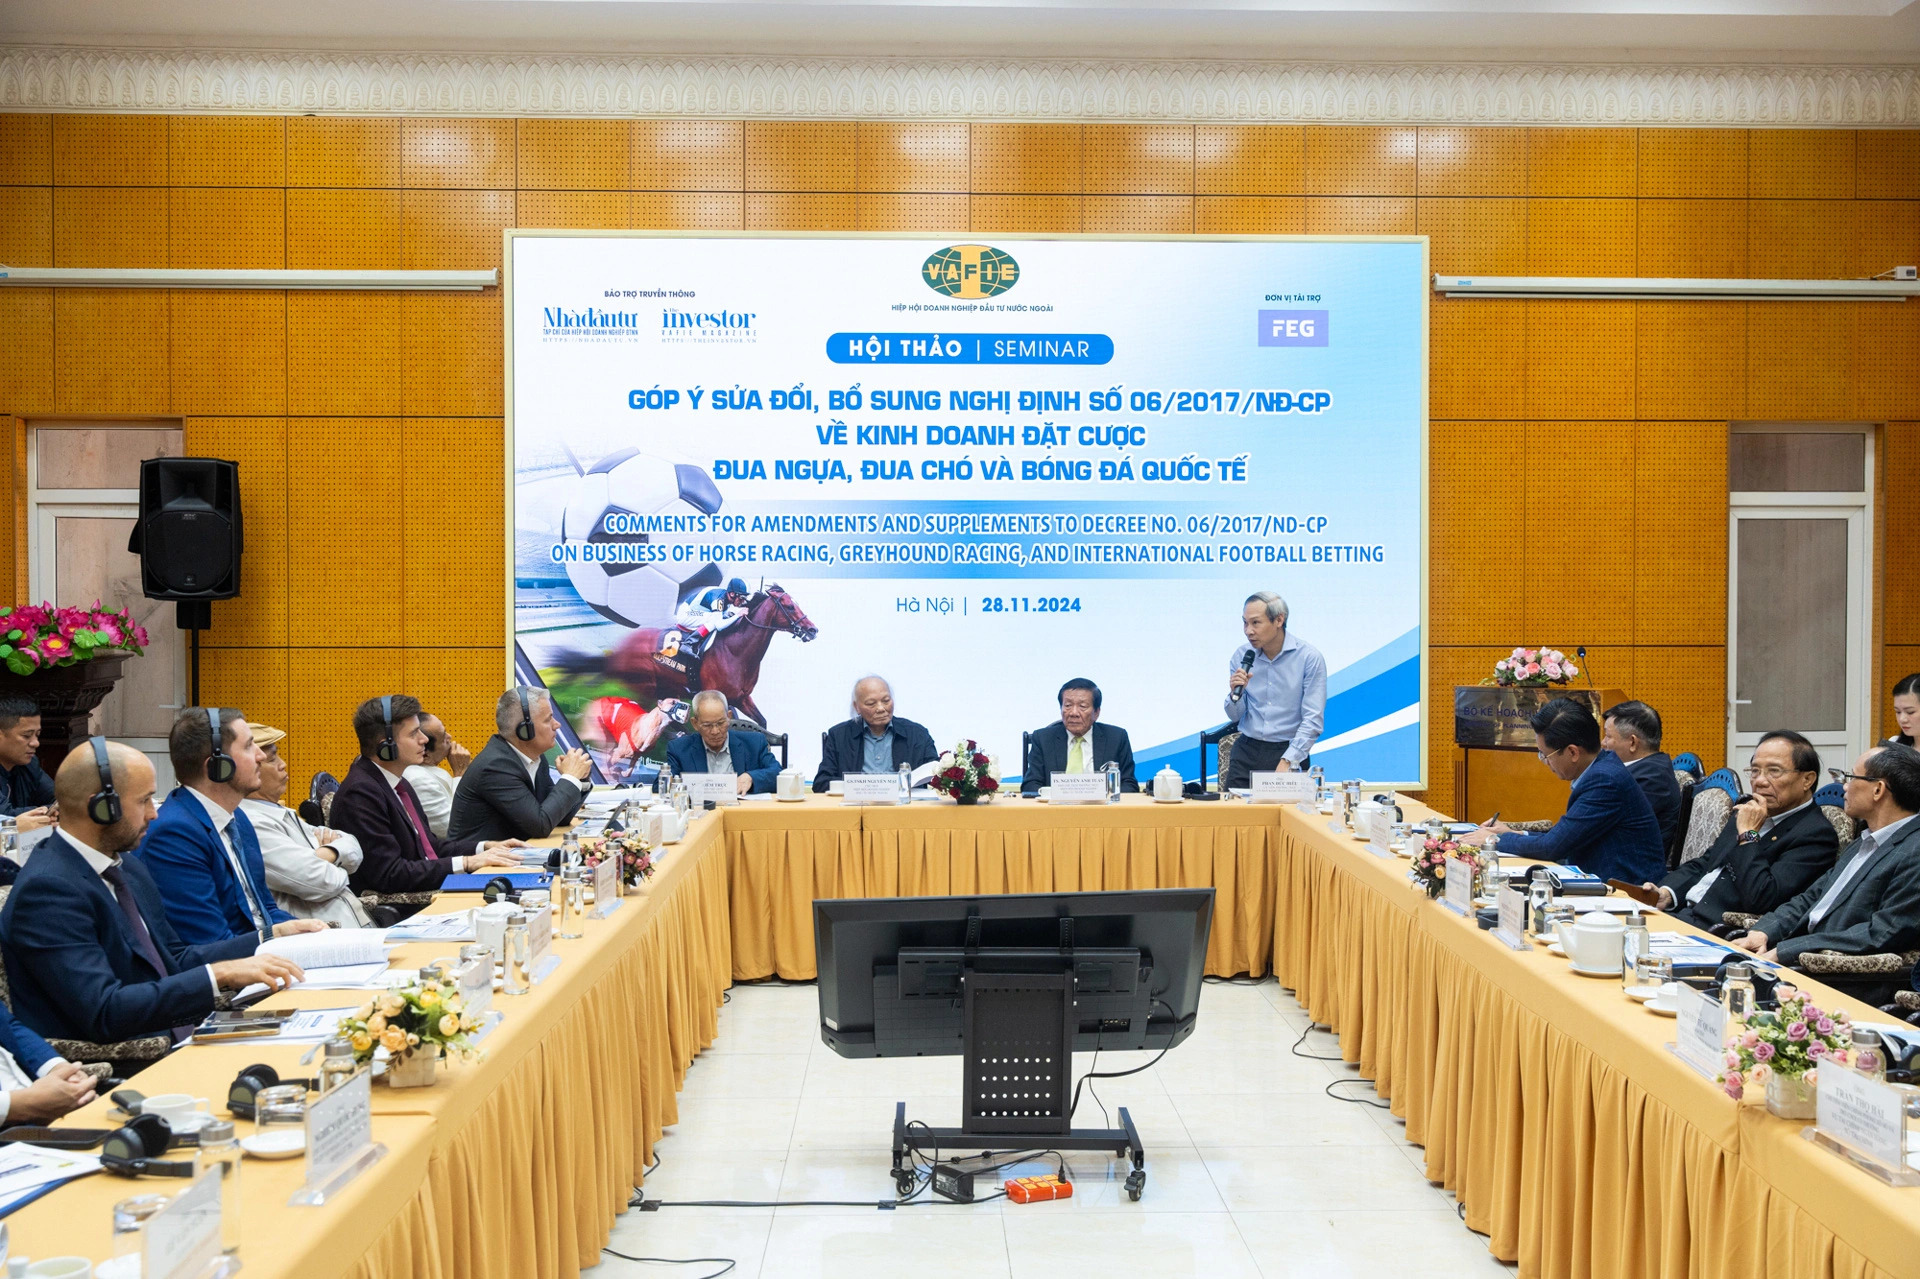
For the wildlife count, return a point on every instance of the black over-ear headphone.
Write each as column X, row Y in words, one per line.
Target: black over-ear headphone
column 103, row 809
column 387, row 750
column 500, row 889
column 524, row 730
column 135, row 1150
column 248, row 1084
column 220, row 765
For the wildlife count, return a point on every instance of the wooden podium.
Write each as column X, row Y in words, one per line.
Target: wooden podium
column 1503, row 773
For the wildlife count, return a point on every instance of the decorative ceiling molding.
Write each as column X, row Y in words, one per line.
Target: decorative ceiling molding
column 446, row 84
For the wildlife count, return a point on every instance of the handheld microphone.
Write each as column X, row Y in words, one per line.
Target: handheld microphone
column 1246, row 664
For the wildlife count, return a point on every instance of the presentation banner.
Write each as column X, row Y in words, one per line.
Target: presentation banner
column 976, row 465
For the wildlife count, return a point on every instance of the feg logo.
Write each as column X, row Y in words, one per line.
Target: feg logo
column 1293, row 328
column 970, row 271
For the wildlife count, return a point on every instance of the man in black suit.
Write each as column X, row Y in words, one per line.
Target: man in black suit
column 1633, row 734
column 1869, row 902
column 25, row 789
column 89, row 951
column 376, row 805
column 506, row 792
column 1772, row 849
column 1077, row 742
column 875, row 740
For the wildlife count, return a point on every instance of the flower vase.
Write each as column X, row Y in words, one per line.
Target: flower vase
column 1791, row 1098
column 417, row 1069
column 966, row 799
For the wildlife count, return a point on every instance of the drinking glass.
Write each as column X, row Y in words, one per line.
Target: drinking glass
column 1112, row 770
column 130, row 1217
column 280, row 1117
column 1650, row 973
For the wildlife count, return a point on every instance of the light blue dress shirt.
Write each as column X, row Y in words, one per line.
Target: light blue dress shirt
column 1286, row 696
column 876, row 752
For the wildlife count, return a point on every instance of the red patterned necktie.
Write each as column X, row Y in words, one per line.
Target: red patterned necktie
column 412, row 805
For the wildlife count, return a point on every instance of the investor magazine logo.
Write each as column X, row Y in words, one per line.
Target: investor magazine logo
column 970, row 271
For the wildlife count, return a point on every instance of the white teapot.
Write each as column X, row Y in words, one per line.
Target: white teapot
column 1166, row 784
column 1595, row 942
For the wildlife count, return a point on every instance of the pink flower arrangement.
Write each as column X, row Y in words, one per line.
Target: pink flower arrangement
column 1430, row 863
column 33, row 636
column 1533, row 668
column 1790, row 1041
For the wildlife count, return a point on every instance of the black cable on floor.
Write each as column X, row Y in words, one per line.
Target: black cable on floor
column 1237, row 981
column 1122, row 1074
column 1378, row 1105
column 1295, row 1050
column 726, row 1263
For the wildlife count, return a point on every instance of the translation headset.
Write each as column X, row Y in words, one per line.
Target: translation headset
column 248, row 1084
column 388, row 750
column 135, row 1150
column 500, row 889
column 103, row 808
column 220, row 765
column 524, row 730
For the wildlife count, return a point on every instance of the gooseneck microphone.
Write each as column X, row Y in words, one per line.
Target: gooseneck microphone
column 1246, row 664
column 1584, row 668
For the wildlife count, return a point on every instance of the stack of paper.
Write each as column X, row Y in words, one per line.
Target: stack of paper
column 454, row 925
column 29, row 1171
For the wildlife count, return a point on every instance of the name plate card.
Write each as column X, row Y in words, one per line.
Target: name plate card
column 1077, row 788
column 475, row 982
column 720, row 788
column 1459, row 897
column 871, row 788
column 1513, row 919
column 606, row 886
column 183, row 1238
column 340, row 1143
column 1700, row 1033
column 1867, row 1116
column 1280, row 788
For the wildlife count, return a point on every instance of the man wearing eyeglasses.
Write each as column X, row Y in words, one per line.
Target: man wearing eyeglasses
column 1869, row 902
column 1772, row 849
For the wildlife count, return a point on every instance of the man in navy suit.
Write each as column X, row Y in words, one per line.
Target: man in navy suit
column 1077, row 742
column 715, row 748
column 89, row 951
column 1632, row 733
column 1609, row 828
column 202, row 850
column 875, row 740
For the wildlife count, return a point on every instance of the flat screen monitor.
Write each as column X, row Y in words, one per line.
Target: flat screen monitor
column 892, row 968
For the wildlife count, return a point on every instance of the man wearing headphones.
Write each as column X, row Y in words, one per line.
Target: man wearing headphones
column 89, row 951
column 376, row 805
column 506, row 792
column 202, row 851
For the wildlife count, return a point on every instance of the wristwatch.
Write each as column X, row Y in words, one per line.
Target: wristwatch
column 1748, row 837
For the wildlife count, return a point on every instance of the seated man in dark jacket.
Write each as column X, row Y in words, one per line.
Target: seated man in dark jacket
column 1773, row 846
column 714, row 747
column 25, row 788
column 89, row 951
column 875, row 740
column 507, row 792
column 1632, row 733
column 1608, row 829
column 376, row 805
column 1869, row 902
column 1077, row 742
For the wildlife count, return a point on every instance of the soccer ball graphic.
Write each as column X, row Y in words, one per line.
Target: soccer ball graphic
column 633, row 483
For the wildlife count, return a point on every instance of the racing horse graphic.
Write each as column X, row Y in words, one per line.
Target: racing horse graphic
column 731, row 666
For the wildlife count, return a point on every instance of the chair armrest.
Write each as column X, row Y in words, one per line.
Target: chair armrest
column 1530, row 828
column 1830, row 962
column 1908, row 1000
column 148, row 1048
column 1735, row 919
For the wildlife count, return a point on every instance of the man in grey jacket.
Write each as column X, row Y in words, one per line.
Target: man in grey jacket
column 307, row 866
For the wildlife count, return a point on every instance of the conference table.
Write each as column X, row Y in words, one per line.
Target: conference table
column 1546, row 1101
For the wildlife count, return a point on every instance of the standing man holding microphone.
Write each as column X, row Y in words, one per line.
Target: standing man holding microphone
column 1276, row 693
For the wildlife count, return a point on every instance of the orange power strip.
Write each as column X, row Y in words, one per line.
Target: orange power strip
column 1035, row 1189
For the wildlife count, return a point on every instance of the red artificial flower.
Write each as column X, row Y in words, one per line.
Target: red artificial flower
column 989, row 784
column 54, row 647
column 979, row 761
column 953, row 774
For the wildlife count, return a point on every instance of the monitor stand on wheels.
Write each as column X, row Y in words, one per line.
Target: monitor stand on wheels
column 1018, row 1037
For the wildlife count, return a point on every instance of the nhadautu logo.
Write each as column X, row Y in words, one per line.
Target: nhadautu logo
column 970, row 271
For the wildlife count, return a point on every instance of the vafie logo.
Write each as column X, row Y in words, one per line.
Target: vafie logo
column 970, row 271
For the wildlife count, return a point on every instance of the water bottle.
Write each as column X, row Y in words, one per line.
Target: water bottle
column 219, row 1150
column 1112, row 770
column 569, row 849
column 1490, row 877
column 1539, row 904
column 1635, row 944
column 518, row 976
column 566, row 919
column 1868, row 1059
column 337, row 1066
column 906, row 784
column 1736, row 993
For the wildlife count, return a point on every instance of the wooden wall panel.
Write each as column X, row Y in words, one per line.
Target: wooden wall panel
column 255, row 680
column 1257, row 159
column 324, row 685
column 343, row 354
column 1883, row 234
column 1886, row 355
column 1680, row 532
column 1360, row 159
column 1898, row 464
column 689, row 155
column 1580, row 359
column 258, row 619
column 457, row 153
column 452, row 350
column 1138, row 159
column 26, row 226
column 112, row 352
column 1136, row 214
column 1042, row 158
column 1799, row 361
column 801, row 155
column 1691, row 239
column 227, row 228
column 802, row 211
column 228, row 351
column 1472, row 161
column 110, row 150
column 453, row 230
column 460, row 685
column 1688, row 686
column 1690, row 360
column 1474, row 237
column 1471, row 544
column 344, row 548
column 1585, row 597
column 914, row 157
column 14, row 579
column 26, row 357
column 585, row 210
column 674, row 210
column 1477, row 356
column 1249, row 215
column 110, row 226
column 1692, row 163
column 1887, row 164
column 1800, row 164
column 1589, row 163
column 1447, row 668
column 343, row 151
column 1797, row 240
column 1581, row 237
column 905, row 212
column 1360, row 215
column 343, row 230
column 26, row 150
column 1026, row 213
column 226, row 151
column 452, row 513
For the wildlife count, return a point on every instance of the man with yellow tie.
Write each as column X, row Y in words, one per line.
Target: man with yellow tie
column 1077, row 742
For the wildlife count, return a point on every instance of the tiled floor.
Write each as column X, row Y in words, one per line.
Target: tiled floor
column 1252, row 1170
